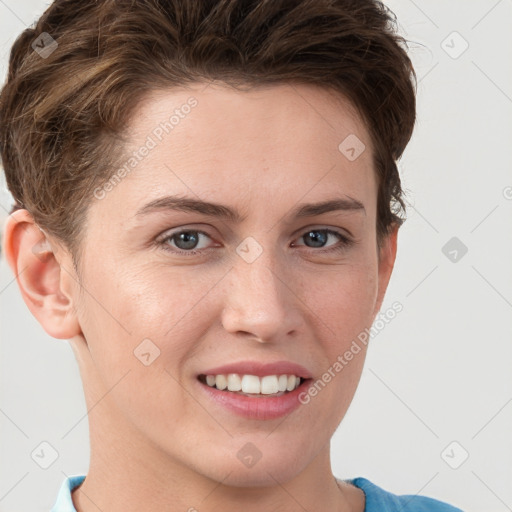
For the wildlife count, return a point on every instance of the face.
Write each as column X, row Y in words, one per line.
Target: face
column 262, row 291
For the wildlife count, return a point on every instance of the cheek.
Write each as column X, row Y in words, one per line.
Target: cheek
column 345, row 300
column 145, row 328
column 342, row 309
column 149, row 303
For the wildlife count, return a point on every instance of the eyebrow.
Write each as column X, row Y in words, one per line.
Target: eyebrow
column 225, row 212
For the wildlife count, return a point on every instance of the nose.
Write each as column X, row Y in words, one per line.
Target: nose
column 260, row 302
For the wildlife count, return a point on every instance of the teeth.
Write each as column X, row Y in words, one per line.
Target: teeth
column 269, row 385
column 282, row 382
column 234, row 382
column 252, row 384
column 220, row 381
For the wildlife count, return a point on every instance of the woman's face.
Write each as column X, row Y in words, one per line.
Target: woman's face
column 259, row 286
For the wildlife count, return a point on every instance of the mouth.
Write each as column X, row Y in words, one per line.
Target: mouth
column 255, row 390
column 267, row 386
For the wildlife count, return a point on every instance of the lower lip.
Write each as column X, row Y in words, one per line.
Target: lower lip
column 257, row 408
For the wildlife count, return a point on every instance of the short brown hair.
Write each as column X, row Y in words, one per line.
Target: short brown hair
column 62, row 117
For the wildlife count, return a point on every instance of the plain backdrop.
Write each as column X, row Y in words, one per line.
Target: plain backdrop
column 433, row 411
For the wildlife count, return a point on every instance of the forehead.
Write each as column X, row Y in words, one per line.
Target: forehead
column 266, row 144
column 229, row 117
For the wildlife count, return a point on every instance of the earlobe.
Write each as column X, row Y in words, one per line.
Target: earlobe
column 47, row 291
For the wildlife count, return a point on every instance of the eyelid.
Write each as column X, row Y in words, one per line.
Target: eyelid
column 344, row 240
column 322, row 227
column 170, row 233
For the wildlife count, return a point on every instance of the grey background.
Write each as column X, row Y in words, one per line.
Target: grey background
column 437, row 383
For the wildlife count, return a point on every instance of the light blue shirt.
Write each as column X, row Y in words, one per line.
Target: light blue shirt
column 377, row 499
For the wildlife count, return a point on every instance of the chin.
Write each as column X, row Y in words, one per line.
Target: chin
column 260, row 475
column 249, row 466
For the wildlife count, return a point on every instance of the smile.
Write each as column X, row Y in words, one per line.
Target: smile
column 253, row 385
column 265, row 396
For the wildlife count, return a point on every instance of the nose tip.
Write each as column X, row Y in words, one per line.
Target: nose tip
column 259, row 305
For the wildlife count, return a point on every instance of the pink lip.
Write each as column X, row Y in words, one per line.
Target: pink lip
column 261, row 369
column 256, row 408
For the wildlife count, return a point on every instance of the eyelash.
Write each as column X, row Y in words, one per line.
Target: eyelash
column 345, row 242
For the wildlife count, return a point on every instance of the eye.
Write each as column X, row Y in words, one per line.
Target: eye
column 318, row 237
column 185, row 241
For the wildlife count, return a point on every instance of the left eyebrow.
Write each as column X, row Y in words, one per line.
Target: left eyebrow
column 225, row 212
column 342, row 204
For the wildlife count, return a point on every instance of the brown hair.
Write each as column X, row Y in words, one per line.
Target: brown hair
column 62, row 112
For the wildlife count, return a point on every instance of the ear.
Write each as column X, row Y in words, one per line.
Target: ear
column 44, row 273
column 387, row 255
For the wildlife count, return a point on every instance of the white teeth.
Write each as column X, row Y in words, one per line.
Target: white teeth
column 220, row 382
column 269, row 385
column 291, row 383
column 252, row 384
column 234, row 382
column 282, row 382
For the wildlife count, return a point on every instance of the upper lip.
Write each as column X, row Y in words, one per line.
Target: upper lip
column 261, row 369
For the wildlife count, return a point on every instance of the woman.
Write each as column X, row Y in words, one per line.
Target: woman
column 207, row 208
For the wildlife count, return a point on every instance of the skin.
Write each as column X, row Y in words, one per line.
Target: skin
column 157, row 442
